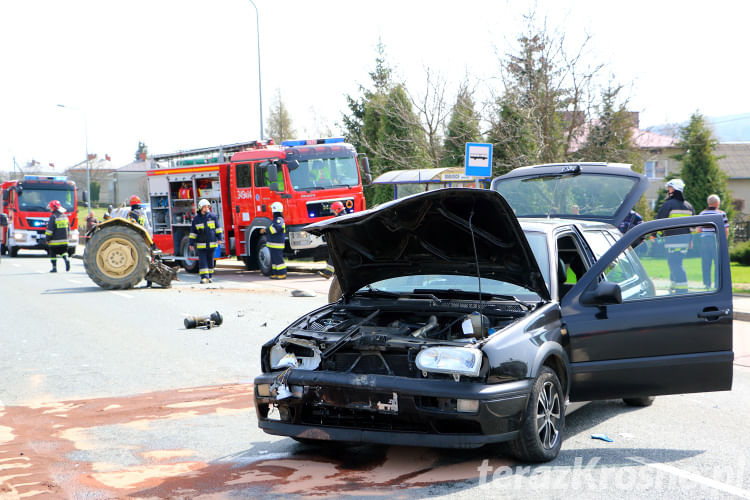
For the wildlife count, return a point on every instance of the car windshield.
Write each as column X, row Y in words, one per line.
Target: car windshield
column 324, row 173
column 585, row 196
column 36, row 200
column 470, row 284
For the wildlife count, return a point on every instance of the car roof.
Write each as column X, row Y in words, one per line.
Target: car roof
column 552, row 224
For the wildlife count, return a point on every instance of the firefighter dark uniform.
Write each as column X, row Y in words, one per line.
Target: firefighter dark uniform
column 205, row 235
column 275, row 244
column 57, row 234
column 137, row 215
column 677, row 241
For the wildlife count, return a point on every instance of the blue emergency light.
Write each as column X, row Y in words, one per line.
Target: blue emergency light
column 44, row 178
column 310, row 142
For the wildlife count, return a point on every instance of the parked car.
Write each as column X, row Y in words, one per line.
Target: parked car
column 477, row 316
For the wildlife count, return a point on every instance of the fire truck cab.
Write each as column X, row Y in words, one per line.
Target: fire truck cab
column 306, row 177
column 24, row 202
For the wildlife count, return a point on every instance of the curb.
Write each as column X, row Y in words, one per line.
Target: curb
column 741, row 316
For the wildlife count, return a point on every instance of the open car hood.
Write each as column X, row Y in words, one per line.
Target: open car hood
column 431, row 233
column 598, row 192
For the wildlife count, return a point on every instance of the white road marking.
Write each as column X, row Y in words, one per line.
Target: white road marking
column 40, row 272
column 696, row 478
column 121, row 294
column 16, row 265
column 75, row 282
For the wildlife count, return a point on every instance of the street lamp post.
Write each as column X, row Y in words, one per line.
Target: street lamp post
column 86, row 138
column 260, row 91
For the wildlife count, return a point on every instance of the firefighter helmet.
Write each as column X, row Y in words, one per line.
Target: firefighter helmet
column 203, row 203
column 277, row 207
column 337, row 207
column 676, row 184
column 135, row 200
column 53, row 205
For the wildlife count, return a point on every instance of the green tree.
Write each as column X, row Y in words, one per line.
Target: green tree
column 142, row 152
column 700, row 167
column 279, row 126
column 382, row 124
column 463, row 127
column 95, row 190
column 512, row 135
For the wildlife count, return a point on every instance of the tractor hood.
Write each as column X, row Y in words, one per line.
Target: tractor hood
column 431, row 233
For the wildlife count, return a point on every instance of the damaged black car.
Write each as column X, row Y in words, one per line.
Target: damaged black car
column 472, row 316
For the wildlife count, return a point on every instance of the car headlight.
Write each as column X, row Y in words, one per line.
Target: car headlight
column 451, row 360
column 19, row 236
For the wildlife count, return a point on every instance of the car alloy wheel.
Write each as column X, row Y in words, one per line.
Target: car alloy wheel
column 540, row 436
column 548, row 415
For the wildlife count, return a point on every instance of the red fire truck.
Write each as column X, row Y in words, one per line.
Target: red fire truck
column 305, row 176
column 25, row 204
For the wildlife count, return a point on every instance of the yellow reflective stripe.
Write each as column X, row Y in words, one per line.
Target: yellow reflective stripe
column 680, row 213
column 61, row 223
column 201, row 245
column 275, row 245
column 211, row 224
column 283, row 227
column 193, row 236
column 219, row 231
column 58, row 242
column 213, row 244
column 278, row 266
column 48, row 232
column 199, row 226
column 204, row 271
column 330, row 268
column 272, row 230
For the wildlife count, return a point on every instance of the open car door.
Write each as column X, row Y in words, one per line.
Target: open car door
column 645, row 321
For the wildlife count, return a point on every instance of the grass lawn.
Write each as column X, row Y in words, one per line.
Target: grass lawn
column 657, row 268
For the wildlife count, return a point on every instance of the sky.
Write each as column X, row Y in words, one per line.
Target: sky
column 183, row 74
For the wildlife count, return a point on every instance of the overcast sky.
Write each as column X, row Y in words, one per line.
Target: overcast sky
column 181, row 74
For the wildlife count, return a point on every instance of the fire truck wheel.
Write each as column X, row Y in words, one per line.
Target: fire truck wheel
column 13, row 251
column 3, row 249
column 263, row 256
column 117, row 257
column 190, row 266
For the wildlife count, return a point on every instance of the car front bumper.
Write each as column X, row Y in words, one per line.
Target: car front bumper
column 390, row 410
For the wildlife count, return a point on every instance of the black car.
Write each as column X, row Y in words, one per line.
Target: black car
column 477, row 316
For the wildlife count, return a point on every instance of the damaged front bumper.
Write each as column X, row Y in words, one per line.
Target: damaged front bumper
column 387, row 409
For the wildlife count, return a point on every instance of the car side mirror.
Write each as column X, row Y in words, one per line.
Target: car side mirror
column 273, row 172
column 3, row 220
column 366, row 174
column 605, row 293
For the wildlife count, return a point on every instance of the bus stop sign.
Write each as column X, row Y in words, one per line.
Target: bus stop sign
column 478, row 159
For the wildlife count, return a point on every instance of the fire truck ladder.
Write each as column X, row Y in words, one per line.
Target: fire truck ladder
column 215, row 154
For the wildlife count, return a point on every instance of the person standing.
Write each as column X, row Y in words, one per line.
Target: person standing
column 57, row 235
column 136, row 214
column 708, row 239
column 275, row 242
column 206, row 233
column 677, row 240
column 338, row 209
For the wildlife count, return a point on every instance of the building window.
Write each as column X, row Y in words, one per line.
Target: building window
column 656, row 169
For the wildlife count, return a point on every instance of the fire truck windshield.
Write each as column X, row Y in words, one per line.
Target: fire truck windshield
column 36, row 199
column 324, row 173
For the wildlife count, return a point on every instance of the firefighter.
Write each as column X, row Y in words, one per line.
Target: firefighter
column 206, row 233
column 275, row 243
column 677, row 241
column 57, row 234
column 338, row 209
column 136, row 214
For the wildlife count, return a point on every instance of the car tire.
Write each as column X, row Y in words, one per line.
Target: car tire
column 540, row 436
column 644, row 401
column 190, row 266
column 263, row 256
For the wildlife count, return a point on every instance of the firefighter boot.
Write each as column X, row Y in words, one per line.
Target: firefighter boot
column 54, row 267
column 67, row 264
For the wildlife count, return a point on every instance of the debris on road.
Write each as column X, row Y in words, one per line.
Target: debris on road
column 303, row 293
column 207, row 322
column 603, row 437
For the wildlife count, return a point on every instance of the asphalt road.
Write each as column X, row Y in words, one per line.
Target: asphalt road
column 106, row 395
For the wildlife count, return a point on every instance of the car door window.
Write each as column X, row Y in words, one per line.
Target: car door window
column 673, row 262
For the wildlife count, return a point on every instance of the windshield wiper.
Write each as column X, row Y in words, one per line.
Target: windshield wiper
column 368, row 289
column 466, row 293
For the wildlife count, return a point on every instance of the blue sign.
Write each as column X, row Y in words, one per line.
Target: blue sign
column 478, row 159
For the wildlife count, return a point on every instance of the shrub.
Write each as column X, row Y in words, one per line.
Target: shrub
column 740, row 253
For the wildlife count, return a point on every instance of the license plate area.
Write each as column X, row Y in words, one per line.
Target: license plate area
column 371, row 401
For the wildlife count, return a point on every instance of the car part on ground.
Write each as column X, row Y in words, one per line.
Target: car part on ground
column 208, row 321
column 119, row 256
